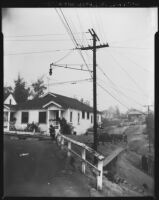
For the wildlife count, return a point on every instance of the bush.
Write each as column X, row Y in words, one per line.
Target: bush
column 66, row 128
column 32, row 126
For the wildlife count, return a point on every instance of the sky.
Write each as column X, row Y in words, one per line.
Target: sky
column 36, row 37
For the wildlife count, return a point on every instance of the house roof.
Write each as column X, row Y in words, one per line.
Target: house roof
column 135, row 112
column 65, row 102
column 5, row 96
column 11, row 107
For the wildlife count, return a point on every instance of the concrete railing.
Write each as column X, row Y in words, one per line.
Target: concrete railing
column 98, row 168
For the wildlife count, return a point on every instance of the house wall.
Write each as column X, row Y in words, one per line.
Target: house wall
column 83, row 125
column 79, row 128
column 33, row 117
column 10, row 97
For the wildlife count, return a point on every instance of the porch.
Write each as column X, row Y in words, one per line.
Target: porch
column 8, row 118
column 53, row 117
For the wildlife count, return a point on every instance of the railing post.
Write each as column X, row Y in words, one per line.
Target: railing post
column 62, row 142
column 100, row 177
column 83, row 163
column 69, row 148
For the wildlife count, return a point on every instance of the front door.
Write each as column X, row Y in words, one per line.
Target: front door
column 57, row 115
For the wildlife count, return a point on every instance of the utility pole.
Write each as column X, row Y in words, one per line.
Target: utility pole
column 94, row 47
column 148, row 111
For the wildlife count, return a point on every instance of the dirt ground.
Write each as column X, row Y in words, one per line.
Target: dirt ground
column 129, row 165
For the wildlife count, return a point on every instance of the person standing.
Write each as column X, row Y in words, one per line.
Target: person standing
column 52, row 132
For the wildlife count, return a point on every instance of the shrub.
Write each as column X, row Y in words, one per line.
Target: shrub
column 65, row 127
column 32, row 126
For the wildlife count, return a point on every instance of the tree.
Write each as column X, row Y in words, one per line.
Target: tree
column 21, row 93
column 117, row 112
column 150, row 126
column 7, row 90
column 38, row 88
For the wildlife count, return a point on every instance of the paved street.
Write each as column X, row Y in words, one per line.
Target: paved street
column 44, row 171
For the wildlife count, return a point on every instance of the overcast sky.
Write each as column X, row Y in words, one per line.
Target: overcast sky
column 125, row 69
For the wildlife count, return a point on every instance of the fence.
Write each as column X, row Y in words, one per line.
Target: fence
column 98, row 169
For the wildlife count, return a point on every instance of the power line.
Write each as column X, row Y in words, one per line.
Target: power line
column 68, row 27
column 65, row 26
column 10, row 36
column 63, row 57
column 121, row 92
column 74, row 41
column 131, row 47
column 111, row 95
column 37, row 40
column 72, row 82
column 83, row 35
column 134, row 62
column 127, row 74
column 36, row 52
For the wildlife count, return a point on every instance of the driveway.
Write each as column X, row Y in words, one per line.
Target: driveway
column 40, row 168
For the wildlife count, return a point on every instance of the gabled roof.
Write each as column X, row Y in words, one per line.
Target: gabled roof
column 11, row 107
column 63, row 101
column 135, row 112
column 5, row 96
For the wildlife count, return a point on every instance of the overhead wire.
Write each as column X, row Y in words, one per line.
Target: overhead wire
column 131, row 47
column 80, row 24
column 37, row 35
column 69, row 27
column 75, row 43
column 138, row 65
column 119, row 91
column 112, row 95
column 63, row 57
column 72, row 82
column 39, row 40
column 132, row 79
column 36, row 52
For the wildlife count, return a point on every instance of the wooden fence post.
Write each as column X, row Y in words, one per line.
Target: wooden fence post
column 100, row 177
column 62, row 142
column 69, row 148
column 83, row 163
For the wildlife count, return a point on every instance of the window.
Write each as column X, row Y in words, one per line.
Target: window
column 91, row 118
column 87, row 115
column 78, row 118
column 83, row 114
column 70, row 116
column 25, row 117
column 42, row 117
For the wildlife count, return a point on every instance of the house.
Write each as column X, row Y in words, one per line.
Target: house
column 136, row 115
column 9, row 103
column 46, row 109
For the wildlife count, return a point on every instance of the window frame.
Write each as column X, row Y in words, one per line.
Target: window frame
column 88, row 115
column 45, row 117
column 22, row 121
column 83, row 114
column 78, row 118
column 91, row 119
column 71, row 116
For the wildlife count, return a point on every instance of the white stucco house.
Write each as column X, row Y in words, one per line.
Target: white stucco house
column 47, row 109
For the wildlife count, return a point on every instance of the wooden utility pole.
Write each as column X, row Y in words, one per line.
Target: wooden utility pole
column 94, row 47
